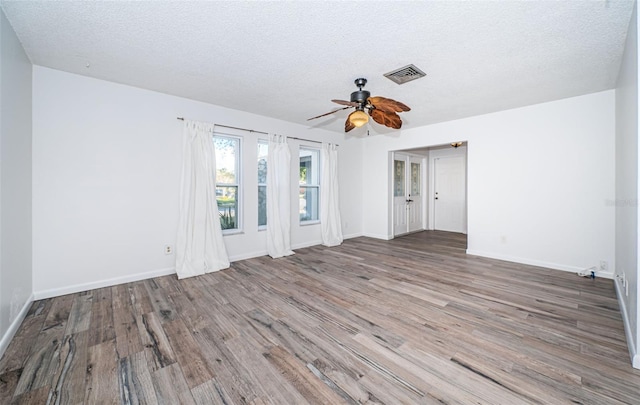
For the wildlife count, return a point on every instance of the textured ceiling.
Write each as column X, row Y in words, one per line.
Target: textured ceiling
column 287, row 60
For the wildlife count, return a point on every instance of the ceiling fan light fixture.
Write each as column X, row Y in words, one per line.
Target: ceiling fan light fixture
column 358, row 118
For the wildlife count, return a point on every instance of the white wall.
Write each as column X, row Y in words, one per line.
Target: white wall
column 627, row 187
column 106, row 168
column 540, row 181
column 15, row 183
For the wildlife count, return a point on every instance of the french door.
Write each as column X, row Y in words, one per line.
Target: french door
column 407, row 194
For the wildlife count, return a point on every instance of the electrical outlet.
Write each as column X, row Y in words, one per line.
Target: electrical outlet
column 604, row 265
column 168, row 250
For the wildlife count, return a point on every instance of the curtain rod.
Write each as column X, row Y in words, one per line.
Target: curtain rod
column 226, row 126
column 260, row 132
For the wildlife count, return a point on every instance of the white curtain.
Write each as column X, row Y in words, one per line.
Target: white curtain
column 278, row 197
column 330, row 223
column 200, row 248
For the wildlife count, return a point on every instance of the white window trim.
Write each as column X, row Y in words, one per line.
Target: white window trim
column 262, row 227
column 309, row 221
column 239, row 194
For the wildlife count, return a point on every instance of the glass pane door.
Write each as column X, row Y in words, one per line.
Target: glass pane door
column 398, row 178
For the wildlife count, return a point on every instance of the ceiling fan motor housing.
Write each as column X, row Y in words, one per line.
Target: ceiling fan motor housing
column 360, row 96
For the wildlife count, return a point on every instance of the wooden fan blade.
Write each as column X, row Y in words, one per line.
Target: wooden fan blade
column 348, row 126
column 388, row 119
column 343, row 102
column 329, row 113
column 388, row 105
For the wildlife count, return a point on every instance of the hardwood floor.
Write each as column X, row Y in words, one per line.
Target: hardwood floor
column 413, row 320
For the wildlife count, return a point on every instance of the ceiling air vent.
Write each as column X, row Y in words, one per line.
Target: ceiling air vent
column 405, row 74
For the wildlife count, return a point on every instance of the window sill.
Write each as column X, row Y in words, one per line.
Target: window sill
column 232, row 232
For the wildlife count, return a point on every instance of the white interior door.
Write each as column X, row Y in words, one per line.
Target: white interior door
column 399, row 194
column 450, row 194
column 414, row 206
column 407, row 194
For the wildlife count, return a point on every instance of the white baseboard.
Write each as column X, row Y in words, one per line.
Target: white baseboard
column 252, row 255
column 377, row 236
column 352, row 235
column 13, row 328
column 56, row 292
column 530, row 262
column 306, row 244
column 246, row 256
column 633, row 354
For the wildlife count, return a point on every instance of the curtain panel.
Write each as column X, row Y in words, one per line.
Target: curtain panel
column 200, row 246
column 278, row 197
column 330, row 223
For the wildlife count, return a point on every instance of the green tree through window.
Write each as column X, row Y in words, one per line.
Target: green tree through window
column 263, row 150
column 309, row 195
column 227, row 180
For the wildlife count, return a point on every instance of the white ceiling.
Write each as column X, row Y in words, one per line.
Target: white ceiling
column 287, row 60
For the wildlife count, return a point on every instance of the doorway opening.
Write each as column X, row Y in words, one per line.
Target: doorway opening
column 429, row 189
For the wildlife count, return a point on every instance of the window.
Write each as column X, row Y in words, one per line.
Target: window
column 309, row 184
column 263, row 149
column 228, row 180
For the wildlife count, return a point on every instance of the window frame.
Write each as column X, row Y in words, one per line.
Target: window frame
column 315, row 151
column 238, row 184
column 259, row 143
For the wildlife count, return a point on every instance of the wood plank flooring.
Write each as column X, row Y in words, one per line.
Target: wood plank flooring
column 409, row 321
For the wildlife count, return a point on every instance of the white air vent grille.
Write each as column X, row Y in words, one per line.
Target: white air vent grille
column 405, row 74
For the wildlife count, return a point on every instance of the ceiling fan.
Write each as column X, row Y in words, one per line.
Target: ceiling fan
column 382, row 110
